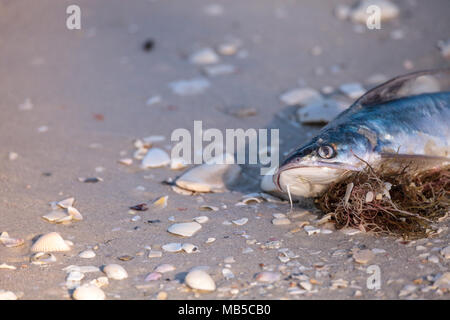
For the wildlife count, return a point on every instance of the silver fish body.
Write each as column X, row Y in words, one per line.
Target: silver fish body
column 384, row 127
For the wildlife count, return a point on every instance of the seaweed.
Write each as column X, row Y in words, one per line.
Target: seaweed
column 394, row 203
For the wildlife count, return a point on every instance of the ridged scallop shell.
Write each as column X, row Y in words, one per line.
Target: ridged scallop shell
column 88, row 292
column 50, row 242
column 115, row 271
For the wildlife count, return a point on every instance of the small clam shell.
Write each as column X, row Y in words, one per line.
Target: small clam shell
column 155, row 158
column 172, row 247
column 200, row 280
column 7, row 295
column 240, row 222
column 42, row 258
column 56, row 216
column 201, row 219
column 87, row 254
column 74, row 213
column 115, row 271
column 126, row 161
column 50, row 242
column 369, row 196
column 185, row 229
column 163, row 268
column 88, row 292
column 189, row 247
column 208, row 208
column 227, row 273
column 153, row 276
column 66, row 203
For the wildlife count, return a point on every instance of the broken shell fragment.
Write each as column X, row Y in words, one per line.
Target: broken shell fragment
column 9, row 242
column 66, row 203
column 210, row 177
column 268, row 276
column 50, row 242
column 41, row 258
column 189, row 247
column 115, row 271
column 87, row 254
column 186, row 229
column 201, row 219
column 88, row 292
column 155, row 158
column 161, row 202
column 172, row 247
column 57, row 217
column 200, row 280
column 7, row 295
column 74, row 213
column 240, row 222
column 153, row 276
column 163, row 268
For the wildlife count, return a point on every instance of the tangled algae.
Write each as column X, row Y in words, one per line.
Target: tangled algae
column 395, row 203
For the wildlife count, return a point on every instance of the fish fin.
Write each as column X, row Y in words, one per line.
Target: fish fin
column 402, row 86
column 413, row 162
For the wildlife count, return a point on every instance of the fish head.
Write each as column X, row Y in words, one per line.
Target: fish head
column 329, row 157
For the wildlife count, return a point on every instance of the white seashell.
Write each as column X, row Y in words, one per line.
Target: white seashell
column 200, row 280
column 41, row 258
column 57, row 217
column 50, row 242
column 153, row 276
column 126, row 161
column 155, row 254
column 74, row 213
column 190, row 87
column 163, row 268
column 9, row 242
column 227, row 273
column 172, row 247
column 12, row 156
column 7, row 295
column 204, row 56
column 115, row 271
column 310, row 230
column 155, row 158
column 87, row 254
column 100, row 282
column 185, row 229
column 240, row 222
column 161, row 202
column 210, row 240
column 208, row 208
column 74, row 276
column 88, row 292
column 7, row 266
column 201, row 219
column 301, row 96
column 268, row 276
column 210, row 177
column 189, row 247
column 66, row 203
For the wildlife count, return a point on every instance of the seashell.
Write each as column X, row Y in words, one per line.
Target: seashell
column 200, row 280
column 7, row 295
column 126, row 161
column 74, row 213
column 42, row 258
column 87, row 254
column 163, row 268
column 161, row 202
column 154, row 254
column 50, row 242
column 201, row 219
column 248, row 201
column 57, row 217
column 310, row 230
column 189, row 247
column 100, row 282
column 155, row 158
column 204, row 56
column 172, row 247
column 66, row 203
column 208, row 208
column 88, row 292
column 268, row 276
column 115, row 271
column 227, row 273
column 181, row 191
column 210, row 177
column 240, row 222
column 74, row 276
column 185, row 229
column 210, row 240
column 9, row 242
column 369, row 196
column 7, row 266
column 153, row 276
column 281, row 221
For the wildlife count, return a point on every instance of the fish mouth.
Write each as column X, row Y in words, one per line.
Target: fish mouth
column 314, row 177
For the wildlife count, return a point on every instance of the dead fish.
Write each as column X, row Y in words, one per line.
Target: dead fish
column 399, row 123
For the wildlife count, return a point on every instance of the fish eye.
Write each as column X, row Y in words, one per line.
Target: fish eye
column 326, row 152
